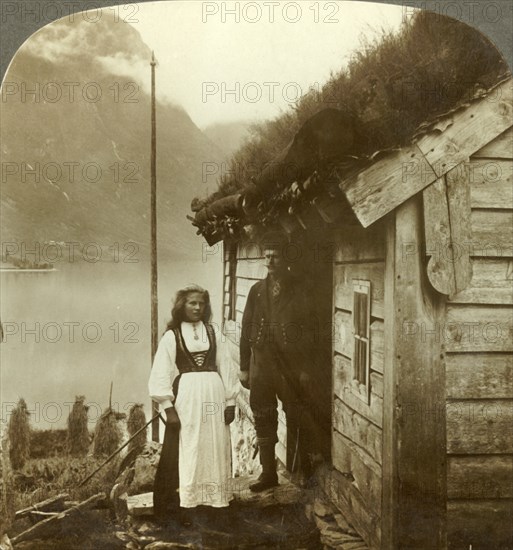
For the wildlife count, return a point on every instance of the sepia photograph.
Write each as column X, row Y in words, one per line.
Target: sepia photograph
column 256, row 275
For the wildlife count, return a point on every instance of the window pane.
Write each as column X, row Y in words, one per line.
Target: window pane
column 363, row 314
column 363, row 370
column 356, row 312
column 356, row 359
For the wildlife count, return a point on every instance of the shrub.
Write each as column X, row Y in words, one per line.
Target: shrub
column 19, row 435
column 78, row 434
column 47, row 443
column 107, row 435
column 7, row 503
column 136, row 420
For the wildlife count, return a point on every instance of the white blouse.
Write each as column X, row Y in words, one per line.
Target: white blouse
column 164, row 369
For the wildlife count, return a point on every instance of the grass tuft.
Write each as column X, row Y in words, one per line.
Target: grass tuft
column 136, row 420
column 19, row 435
column 78, row 435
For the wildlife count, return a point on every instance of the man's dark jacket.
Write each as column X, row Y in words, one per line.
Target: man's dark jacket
column 284, row 334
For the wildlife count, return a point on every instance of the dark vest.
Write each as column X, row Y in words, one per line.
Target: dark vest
column 184, row 358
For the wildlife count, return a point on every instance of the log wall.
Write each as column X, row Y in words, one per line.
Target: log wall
column 250, row 269
column 479, row 365
column 357, row 425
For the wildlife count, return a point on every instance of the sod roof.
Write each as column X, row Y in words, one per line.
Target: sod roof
column 392, row 90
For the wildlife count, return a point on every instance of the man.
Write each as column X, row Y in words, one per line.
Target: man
column 277, row 354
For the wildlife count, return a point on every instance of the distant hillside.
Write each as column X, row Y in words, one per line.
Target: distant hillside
column 228, row 136
column 78, row 168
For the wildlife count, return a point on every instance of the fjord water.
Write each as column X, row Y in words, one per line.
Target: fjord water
column 73, row 330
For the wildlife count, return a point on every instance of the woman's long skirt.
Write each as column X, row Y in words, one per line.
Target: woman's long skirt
column 204, row 453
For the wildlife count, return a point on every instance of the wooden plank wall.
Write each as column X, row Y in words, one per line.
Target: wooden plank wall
column 250, row 269
column 478, row 339
column 357, row 426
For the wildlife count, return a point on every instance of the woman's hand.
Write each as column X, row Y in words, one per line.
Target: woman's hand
column 229, row 414
column 172, row 419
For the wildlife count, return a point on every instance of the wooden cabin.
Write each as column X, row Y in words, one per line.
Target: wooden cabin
column 413, row 269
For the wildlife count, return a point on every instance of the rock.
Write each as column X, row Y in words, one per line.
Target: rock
column 145, row 468
column 140, row 505
column 309, row 512
column 321, row 509
column 334, row 538
column 145, row 540
column 283, row 494
column 243, row 437
column 145, row 528
column 344, row 525
column 122, row 536
column 133, row 546
column 335, row 531
column 138, row 472
column 119, row 501
column 356, row 545
column 160, row 545
column 5, row 543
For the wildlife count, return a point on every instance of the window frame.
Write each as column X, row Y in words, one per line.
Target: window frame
column 360, row 374
column 230, row 258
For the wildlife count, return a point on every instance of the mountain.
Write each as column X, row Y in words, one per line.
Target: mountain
column 75, row 143
column 228, row 136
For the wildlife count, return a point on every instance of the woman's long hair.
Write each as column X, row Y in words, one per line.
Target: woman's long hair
column 177, row 311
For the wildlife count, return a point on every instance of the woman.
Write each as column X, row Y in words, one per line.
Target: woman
column 196, row 387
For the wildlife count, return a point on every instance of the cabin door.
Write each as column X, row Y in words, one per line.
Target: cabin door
column 315, row 268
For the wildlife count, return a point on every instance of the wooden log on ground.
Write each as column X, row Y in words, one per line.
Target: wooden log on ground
column 38, row 516
column 51, row 504
column 140, row 505
column 53, row 524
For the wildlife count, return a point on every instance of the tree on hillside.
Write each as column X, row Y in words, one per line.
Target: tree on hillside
column 19, row 435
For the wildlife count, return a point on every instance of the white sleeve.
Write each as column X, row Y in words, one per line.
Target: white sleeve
column 227, row 371
column 164, row 371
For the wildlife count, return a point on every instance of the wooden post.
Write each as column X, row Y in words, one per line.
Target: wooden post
column 153, row 209
column 414, row 442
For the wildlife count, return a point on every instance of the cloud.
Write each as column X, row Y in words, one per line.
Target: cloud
column 80, row 39
column 127, row 65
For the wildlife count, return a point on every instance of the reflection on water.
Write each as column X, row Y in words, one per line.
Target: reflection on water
column 72, row 331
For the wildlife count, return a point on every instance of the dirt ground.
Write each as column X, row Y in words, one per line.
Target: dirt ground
column 282, row 527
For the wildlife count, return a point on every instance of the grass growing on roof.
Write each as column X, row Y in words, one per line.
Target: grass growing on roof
column 389, row 86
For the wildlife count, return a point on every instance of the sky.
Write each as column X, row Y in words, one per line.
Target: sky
column 231, row 61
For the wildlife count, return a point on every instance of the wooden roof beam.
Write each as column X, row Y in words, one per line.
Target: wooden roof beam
column 391, row 181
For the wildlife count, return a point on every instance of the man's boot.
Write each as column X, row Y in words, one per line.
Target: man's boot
column 268, row 478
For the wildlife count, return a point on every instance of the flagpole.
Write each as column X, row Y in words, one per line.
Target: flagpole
column 153, row 217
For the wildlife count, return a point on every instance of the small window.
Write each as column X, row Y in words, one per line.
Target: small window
column 230, row 282
column 361, row 334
